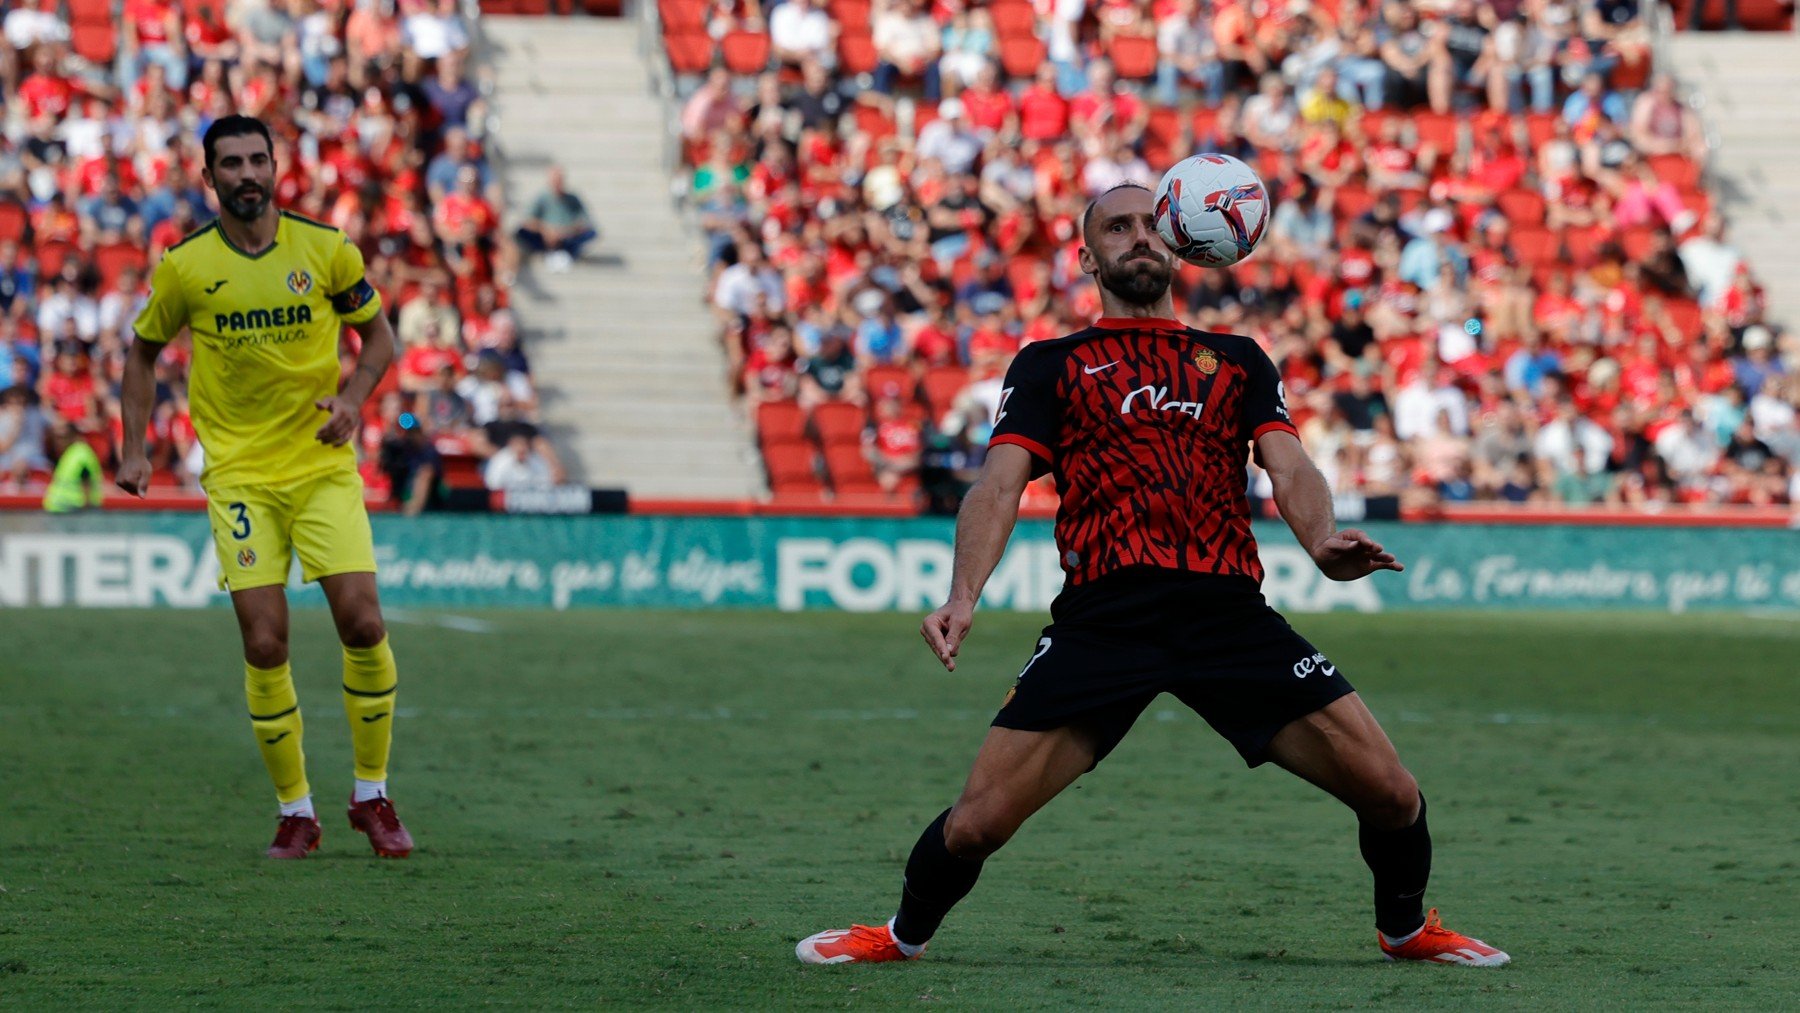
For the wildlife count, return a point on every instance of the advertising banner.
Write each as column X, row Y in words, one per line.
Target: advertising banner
column 863, row 564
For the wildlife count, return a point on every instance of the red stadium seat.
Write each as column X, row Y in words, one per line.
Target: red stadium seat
column 50, row 256
column 856, row 53
column 1162, row 138
column 111, row 261
column 1410, row 198
column 499, row 7
column 1540, row 128
column 942, row 384
column 532, row 8
column 780, row 422
column 790, row 467
column 1631, row 73
column 1436, row 129
column 1766, row 15
column 1353, row 202
column 745, row 52
column 91, row 11
column 603, row 8
column 1205, row 125
column 690, row 52
column 1697, row 201
column 878, row 379
column 1584, row 244
column 1522, row 207
column 1013, row 19
column 850, row 15
column 462, row 471
column 1675, row 169
column 680, row 16
column 1021, row 56
column 1536, row 246
column 839, row 422
column 13, row 221
column 872, row 121
column 850, row 471
column 96, row 42
column 1636, row 243
column 1133, row 57
column 1686, row 316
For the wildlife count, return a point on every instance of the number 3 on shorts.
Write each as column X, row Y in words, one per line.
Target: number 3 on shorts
column 240, row 521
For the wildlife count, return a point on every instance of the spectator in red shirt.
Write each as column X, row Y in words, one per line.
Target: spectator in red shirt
column 153, row 34
column 893, row 442
column 1043, row 112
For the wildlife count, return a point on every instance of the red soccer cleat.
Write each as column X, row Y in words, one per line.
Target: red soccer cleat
column 296, row 837
column 858, row 944
column 1439, row 944
column 377, row 818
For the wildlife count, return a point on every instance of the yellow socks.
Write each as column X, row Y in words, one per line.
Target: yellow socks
column 370, row 680
column 275, row 715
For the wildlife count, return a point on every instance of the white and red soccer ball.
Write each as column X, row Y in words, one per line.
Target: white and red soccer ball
column 1211, row 210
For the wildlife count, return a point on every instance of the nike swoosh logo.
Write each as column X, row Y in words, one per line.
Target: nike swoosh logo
column 375, row 717
column 1091, row 370
column 1329, row 670
column 278, row 738
column 217, row 285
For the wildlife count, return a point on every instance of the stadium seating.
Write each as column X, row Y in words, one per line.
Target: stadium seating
column 1469, row 166
column 82, row 272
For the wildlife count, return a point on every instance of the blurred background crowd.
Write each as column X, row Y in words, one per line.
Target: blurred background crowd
column 1493, row 271
column 379, row 124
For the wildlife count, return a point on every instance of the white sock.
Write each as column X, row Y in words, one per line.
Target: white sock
column 1402, row 940
column 366, row 790
column 302, row 807
column 906, row 948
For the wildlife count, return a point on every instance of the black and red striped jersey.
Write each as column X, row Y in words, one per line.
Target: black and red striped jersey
column 1147, row 426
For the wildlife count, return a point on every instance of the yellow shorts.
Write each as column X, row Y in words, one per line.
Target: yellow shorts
column 257, row 530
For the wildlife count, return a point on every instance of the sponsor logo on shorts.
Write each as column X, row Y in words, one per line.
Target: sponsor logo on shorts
column 1317, row 663
column 246, row 558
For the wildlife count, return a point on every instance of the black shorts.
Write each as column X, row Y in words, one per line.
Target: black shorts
column 1115, row 643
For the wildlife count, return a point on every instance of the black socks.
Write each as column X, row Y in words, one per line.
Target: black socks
column 935, row 881
column 1401, row 862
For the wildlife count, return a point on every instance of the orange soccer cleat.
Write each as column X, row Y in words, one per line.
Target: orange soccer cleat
column 1439, row 944
column 858, row 944
column 296, row 837
column 377, row 818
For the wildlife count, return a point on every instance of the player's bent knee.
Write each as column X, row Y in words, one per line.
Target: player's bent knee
column 364, row 630
column 265, row 648
column 975, row 834
column 1390, row 801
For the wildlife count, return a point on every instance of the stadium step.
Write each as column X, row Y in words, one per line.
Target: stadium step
column 625, row 351
column 1750, row 106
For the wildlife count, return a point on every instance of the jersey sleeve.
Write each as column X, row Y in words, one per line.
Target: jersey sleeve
column 166, row 312
column 1029, row 411
column 354, row 299
column 1265, row 399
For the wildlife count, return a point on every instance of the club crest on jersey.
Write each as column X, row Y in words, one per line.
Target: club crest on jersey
column 299, row 282
column 246, row 558
column 1206, row 362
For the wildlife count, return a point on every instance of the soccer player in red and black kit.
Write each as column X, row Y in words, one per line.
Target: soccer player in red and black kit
column 1145, row 423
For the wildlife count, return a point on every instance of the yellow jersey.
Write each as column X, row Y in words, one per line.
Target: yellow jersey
column 266, row 331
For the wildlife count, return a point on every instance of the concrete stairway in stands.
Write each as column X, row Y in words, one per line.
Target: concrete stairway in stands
column 1749, row 84
column 624, row 351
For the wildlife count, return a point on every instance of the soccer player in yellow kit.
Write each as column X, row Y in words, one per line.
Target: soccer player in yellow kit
column 266, row 295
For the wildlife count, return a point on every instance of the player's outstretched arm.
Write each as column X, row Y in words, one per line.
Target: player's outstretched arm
column 137, row 394
column 1304, row 499
column 346, row 409
column 983, row 525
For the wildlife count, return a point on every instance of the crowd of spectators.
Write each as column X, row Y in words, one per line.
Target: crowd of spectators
column 380, row 125
column 1491, row 274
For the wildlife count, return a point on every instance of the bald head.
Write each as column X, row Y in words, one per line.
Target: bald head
column 1088, row 216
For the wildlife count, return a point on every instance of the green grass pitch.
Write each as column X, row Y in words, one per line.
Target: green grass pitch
column 651, row 808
